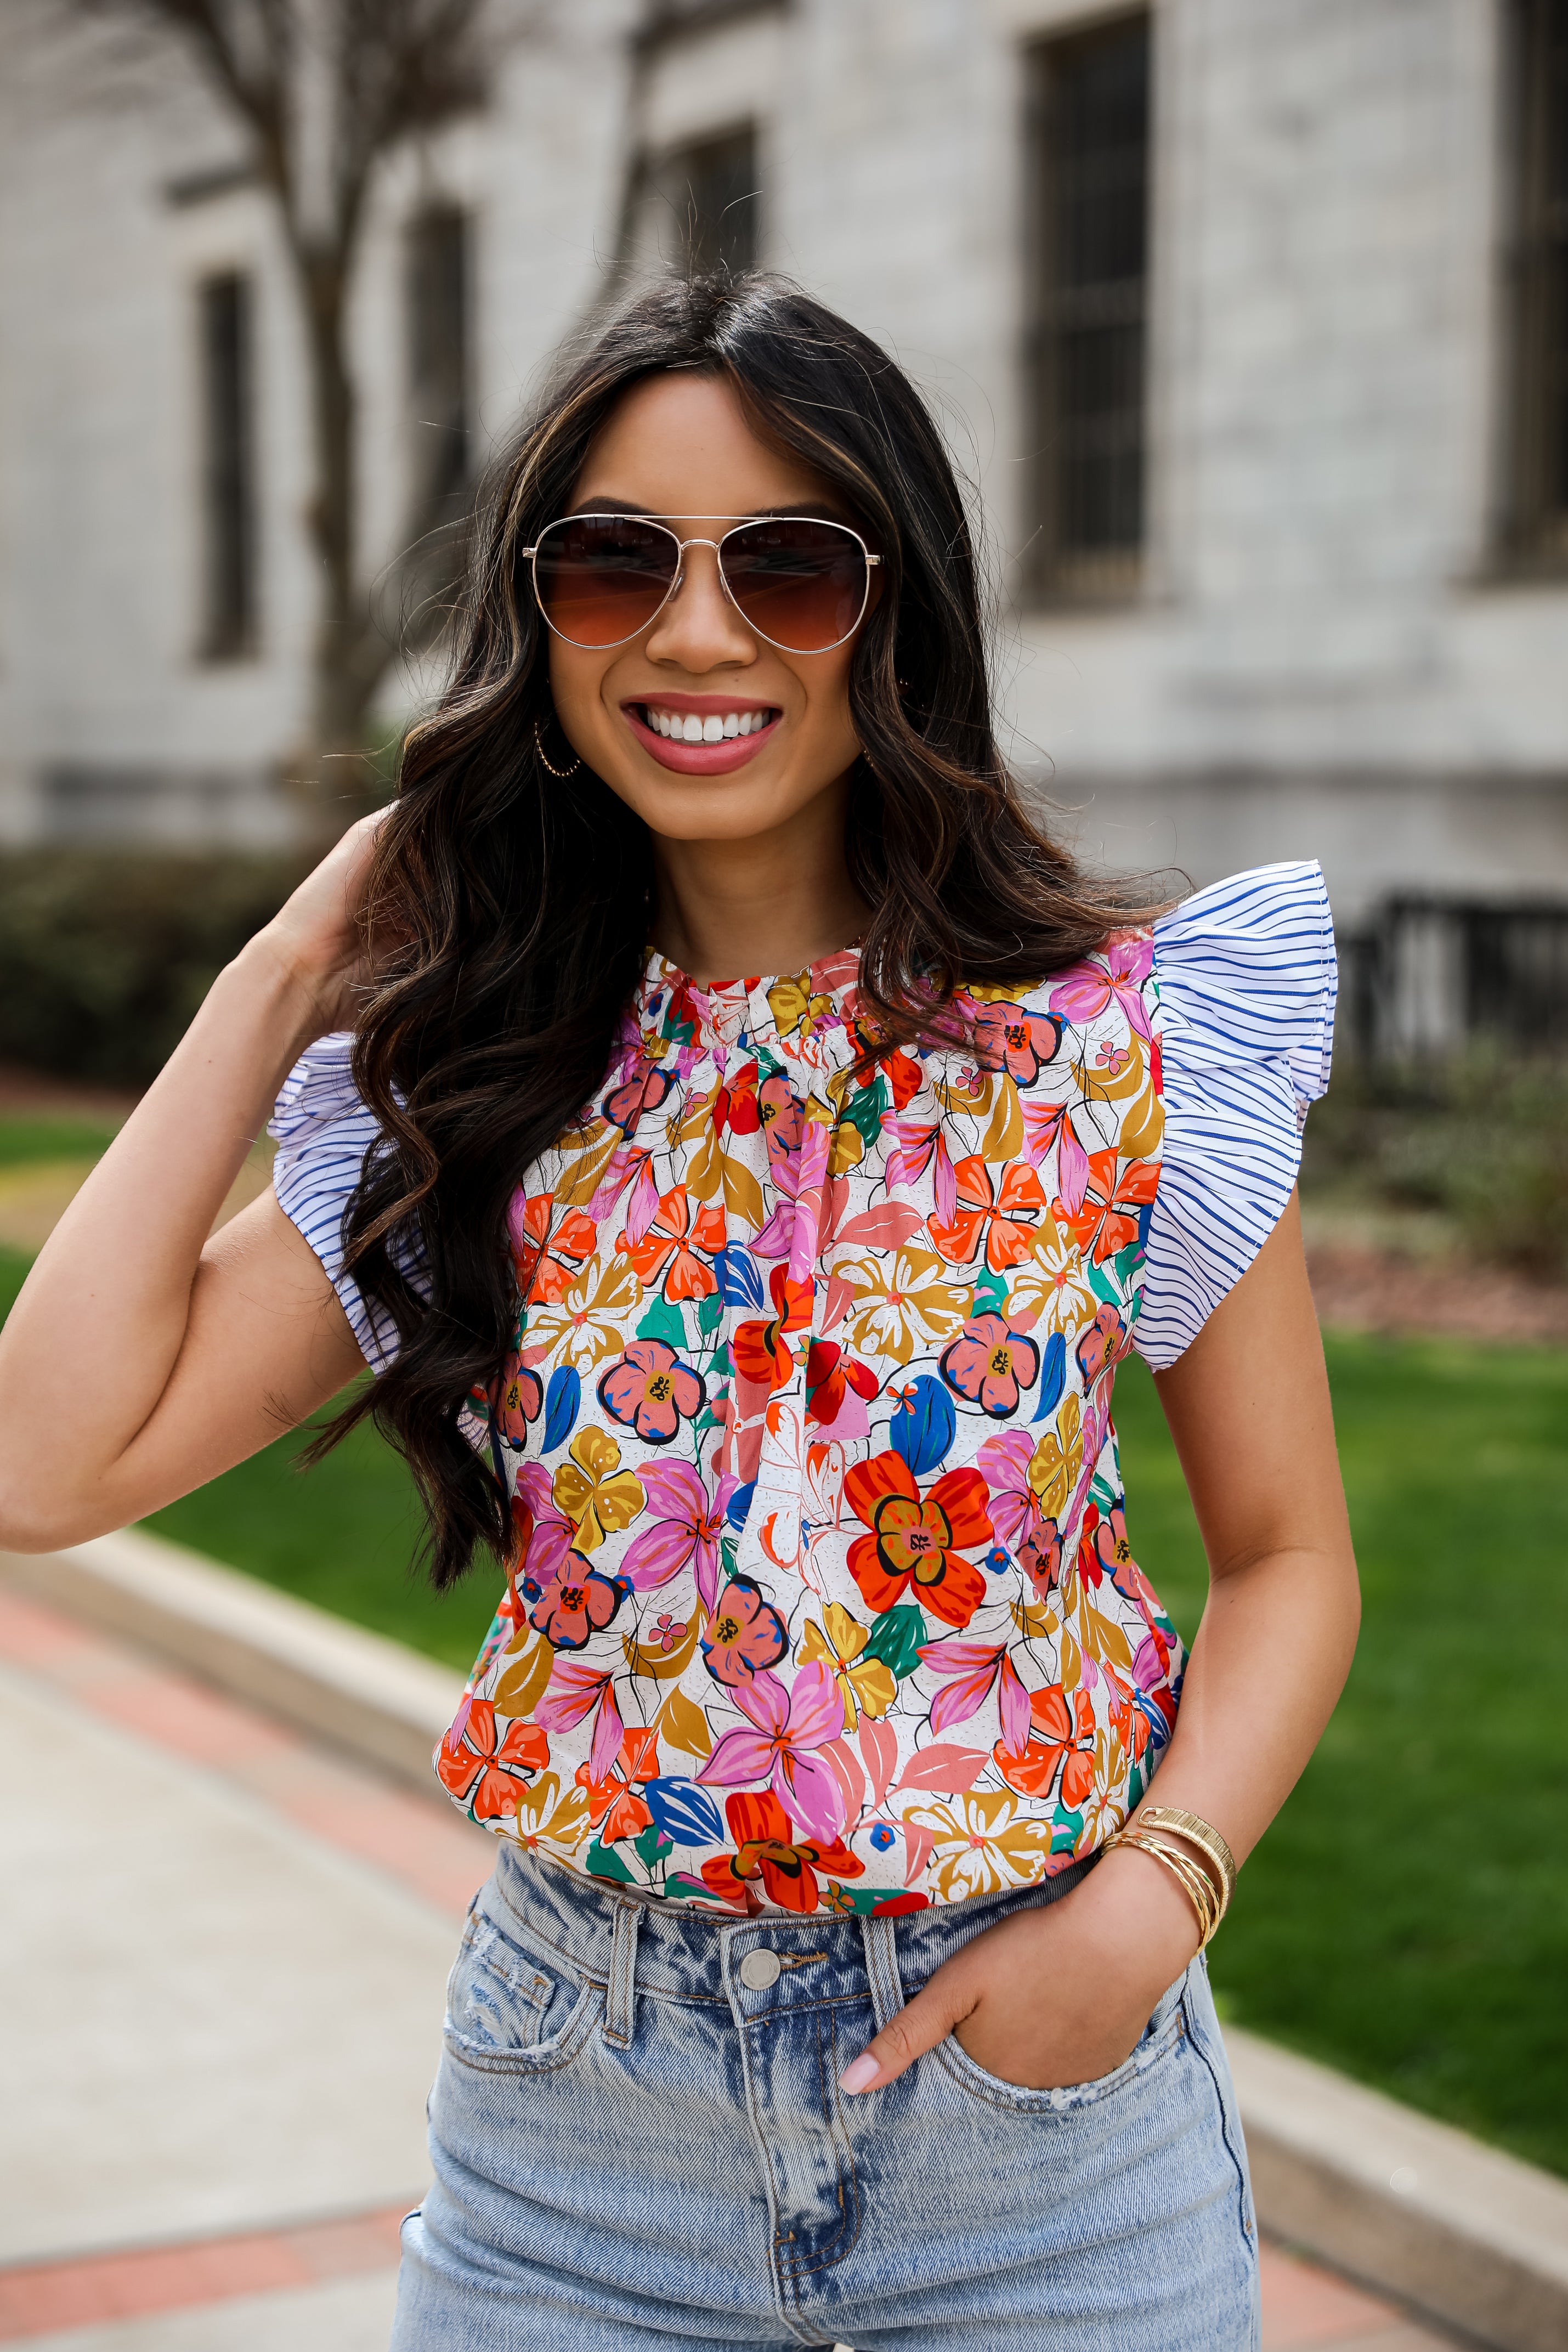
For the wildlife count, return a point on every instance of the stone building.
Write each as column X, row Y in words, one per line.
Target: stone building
column 1248, row 318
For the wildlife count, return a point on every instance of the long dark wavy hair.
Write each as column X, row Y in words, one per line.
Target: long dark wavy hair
column 519, row 902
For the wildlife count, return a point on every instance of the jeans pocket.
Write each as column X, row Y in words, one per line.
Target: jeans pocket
column 1160, row 2036
column 505, row 2002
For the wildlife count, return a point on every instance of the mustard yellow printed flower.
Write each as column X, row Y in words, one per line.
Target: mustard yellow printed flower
column 1050, row 1284
column 903, row 1299
column 863, row 1683
column 587, row 1322
column 545, row 1817
column 981, row 1846
column 794, row 1008
column 593, row 1492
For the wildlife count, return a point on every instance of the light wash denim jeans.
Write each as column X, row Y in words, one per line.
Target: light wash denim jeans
column 639, row 2141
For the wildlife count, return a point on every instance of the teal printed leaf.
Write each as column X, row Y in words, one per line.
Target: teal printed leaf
column 710, row 1314
column 895, row 1639
column 664, row 1321
column 1069, row 1829
column 991, row 1294
column 606, row 1864
column 1101, row 1284
column 652, row 1845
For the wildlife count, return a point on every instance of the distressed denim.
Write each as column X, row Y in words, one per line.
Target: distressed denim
column 638, row 2140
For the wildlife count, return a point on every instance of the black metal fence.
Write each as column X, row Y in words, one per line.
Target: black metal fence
column 1428, row 976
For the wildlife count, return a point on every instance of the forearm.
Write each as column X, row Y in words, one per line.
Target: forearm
column 1265, row 1669
column 90, row 1345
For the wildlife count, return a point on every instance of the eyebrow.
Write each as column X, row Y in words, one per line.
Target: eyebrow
column 820, row 511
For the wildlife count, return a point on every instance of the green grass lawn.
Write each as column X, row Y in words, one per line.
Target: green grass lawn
column 1406, row 1917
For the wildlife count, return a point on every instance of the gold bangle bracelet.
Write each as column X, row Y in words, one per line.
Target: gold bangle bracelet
column 1177, row 1822
column 1193, row 1880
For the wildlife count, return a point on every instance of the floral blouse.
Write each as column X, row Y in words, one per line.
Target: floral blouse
column 821, row 1592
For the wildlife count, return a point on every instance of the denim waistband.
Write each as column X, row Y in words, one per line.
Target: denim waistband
column 612, row 1938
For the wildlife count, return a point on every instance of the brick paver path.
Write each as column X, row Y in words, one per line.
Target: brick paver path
column 312, row 2282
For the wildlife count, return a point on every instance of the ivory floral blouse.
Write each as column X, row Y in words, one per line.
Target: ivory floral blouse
column 822, row 1591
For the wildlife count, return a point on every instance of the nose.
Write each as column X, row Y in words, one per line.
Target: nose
column 699, row 629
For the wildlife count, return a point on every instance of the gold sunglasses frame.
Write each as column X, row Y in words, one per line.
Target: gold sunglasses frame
column 738, row 523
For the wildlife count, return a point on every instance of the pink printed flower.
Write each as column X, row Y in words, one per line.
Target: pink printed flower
column 1104, row 1343
column 1019, row 1043
column 666, row 1634
column 643, row 1091
column 990, row 1365
column 1116, row 978
column 517, row 1399
column 784, row 1749
column 780, row 1110
column 1111, row 1057
column 687, row 1526
column 653, row 1391
column 744, row 1634
column 573, row 1603
column 1016, row 1513
column 1040, row 1556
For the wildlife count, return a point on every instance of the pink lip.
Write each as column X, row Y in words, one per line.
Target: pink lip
column 698, row 759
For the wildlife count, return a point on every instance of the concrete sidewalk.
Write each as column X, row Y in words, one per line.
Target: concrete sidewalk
column 220, row 2004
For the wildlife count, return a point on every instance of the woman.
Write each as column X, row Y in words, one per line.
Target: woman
column 766, row 1329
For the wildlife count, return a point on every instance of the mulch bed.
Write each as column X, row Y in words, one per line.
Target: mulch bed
column 1366, row 1290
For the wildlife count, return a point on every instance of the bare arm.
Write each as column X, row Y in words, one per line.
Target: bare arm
column 1248, row 1408
column 142, row 1359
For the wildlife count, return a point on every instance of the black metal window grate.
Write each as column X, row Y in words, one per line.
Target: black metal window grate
column 1088, row 261
column 1537, row 518
column 438, row 306
column 228, row 467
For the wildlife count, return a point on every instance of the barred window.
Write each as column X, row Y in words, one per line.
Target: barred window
column 1087, row 252
column 706, row 205
column 438, row 303
column 1537, row 506
column 229, row 466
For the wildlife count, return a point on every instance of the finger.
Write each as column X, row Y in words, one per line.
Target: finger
column 919, row 2026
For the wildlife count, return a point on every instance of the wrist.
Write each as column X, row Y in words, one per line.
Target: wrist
column 295, row 1001
column 1139, row 1906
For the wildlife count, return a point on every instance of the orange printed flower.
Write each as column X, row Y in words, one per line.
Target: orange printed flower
column 1109, row 1218
column 614, row 1807
column 768, row 1847
column 1002, row 1221
column 919, row 1540
column 667, row 1253
column 1066, row 1742
column 550, row 1263
column 761, row 1350
column 473, row 1766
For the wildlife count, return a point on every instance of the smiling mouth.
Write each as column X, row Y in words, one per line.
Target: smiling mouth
column 714, row 726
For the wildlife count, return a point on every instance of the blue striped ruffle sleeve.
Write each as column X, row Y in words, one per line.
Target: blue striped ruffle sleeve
column 1248, row 980
column 323, row 1131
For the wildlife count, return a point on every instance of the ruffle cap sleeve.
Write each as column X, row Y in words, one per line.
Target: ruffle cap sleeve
column 1248, row 980
column 323, row 1129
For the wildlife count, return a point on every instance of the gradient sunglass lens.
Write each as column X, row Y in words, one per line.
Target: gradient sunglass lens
column 801, row 584
column 602, row 578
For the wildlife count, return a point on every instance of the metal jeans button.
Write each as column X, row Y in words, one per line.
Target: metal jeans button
column 760, row 1969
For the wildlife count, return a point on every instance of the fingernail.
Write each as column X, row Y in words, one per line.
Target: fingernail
column 860, row 2073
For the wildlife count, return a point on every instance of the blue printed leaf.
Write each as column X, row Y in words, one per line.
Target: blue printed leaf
column 738, row 1505
column 1052, row 1376
column 739, row 1281
column 562, row 1399
column 924, row 1427
column 686, row 1813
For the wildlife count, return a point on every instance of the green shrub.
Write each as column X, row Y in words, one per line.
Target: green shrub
column 106, row 954
column 1483, row 1139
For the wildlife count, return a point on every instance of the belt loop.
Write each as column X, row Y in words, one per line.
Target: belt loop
column 881, row 1966
column 623, row 1986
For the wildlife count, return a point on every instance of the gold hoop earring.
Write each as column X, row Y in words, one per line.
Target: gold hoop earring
column 545, row 758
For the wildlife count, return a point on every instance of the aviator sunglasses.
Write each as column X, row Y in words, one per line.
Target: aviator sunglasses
column 800, row 583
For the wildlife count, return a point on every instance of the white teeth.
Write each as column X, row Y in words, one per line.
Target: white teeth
column 677, row 727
